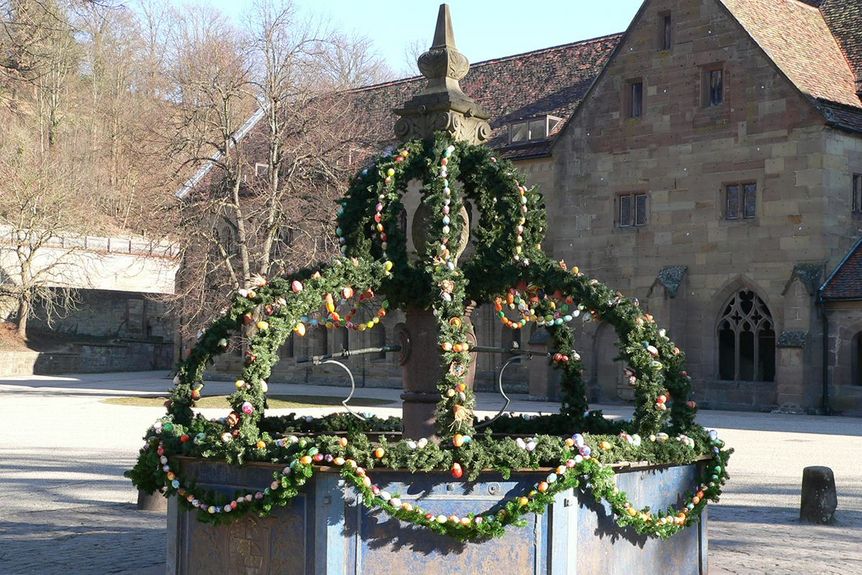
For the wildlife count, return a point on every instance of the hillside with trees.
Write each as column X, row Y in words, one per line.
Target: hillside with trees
column 108, row 107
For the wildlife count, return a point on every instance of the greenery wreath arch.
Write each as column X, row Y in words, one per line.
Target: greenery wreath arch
column 509, row 269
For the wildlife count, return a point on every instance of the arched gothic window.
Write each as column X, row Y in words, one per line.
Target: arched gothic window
column 746, row 339
column 402, row 221
column 288, row 350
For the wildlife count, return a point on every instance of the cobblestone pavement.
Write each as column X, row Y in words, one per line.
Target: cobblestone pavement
column 65, row 507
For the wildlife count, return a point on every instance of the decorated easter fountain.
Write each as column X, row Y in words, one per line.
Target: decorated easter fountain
column 564, row 493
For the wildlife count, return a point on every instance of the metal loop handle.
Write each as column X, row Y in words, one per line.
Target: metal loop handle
column 503, row 393
column 352, row 386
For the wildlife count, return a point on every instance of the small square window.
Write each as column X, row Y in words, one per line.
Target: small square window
column 740, row 201
column 713, row 86
column 749, row 200
column 632, row 210
column 857, row 194
column 635, row 99
column 731, row 211
column 538, row 129
column 261, row 170
column 532, row 129
column 519, row 132
column 640, row 210
column 665, row 37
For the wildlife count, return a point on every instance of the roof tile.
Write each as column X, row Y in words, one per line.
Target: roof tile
column 845, row 283
column 551, row 81
column 844, row 18
column 797, row 38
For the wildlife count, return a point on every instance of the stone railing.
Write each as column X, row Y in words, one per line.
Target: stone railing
column 115, row 245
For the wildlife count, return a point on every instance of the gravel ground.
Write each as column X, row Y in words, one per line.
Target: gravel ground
column 66, row 507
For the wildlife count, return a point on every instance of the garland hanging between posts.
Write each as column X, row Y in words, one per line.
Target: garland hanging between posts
column 507, row 269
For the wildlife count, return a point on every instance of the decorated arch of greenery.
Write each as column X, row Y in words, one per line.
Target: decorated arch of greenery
column 575, row 448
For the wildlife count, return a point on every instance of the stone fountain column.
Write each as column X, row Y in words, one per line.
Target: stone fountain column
column 440, row 106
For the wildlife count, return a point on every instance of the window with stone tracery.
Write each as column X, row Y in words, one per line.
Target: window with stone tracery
column 746, row 339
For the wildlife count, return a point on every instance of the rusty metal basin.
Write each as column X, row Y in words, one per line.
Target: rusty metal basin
column 325, row 531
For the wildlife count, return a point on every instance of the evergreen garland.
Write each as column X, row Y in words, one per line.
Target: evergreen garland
column 581, row 461
column 508, row 262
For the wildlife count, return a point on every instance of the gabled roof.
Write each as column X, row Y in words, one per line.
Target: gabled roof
column 551, row 81
column 816, row 44
column 845, row 281
column 814, row 47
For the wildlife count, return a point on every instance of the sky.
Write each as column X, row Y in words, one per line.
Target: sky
column 484, row 29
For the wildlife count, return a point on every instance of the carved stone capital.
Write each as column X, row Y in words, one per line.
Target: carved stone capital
column 471, row 129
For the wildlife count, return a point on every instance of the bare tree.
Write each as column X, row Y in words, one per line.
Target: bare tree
column 37, row 207
column 265, row 205
column 412, row 51
column 348, row 61
column 137, row 100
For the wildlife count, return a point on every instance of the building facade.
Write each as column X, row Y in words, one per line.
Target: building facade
column 708, row 162
column 707, row 174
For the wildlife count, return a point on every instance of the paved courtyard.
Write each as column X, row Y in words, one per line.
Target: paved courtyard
column 66, row 508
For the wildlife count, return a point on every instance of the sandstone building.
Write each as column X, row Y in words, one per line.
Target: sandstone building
column 710, row 172
column 708, row 161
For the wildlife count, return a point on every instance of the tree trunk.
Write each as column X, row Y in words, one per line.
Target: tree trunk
column 23, row 316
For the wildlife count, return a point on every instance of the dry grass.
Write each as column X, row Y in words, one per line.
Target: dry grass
column 9, row 338
column 273, row 401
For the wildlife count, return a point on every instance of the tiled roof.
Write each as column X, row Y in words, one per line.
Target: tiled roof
column 846, row 117
column 551, row 81
column 845, row 282
column 797, row 38
column 844, row 18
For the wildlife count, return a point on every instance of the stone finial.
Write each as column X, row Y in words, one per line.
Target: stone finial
column 442, row 105
column 443, row 64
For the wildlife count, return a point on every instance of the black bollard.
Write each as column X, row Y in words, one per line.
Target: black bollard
column 819, row 498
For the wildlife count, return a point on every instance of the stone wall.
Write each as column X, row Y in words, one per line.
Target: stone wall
column 109, row 331
column 88, row 358
column 83, row 262
column 844, row 357
column 27, row 363
column 103, row 313
column 682, row 155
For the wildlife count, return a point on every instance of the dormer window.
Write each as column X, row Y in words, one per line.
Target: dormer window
column 532, row 129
